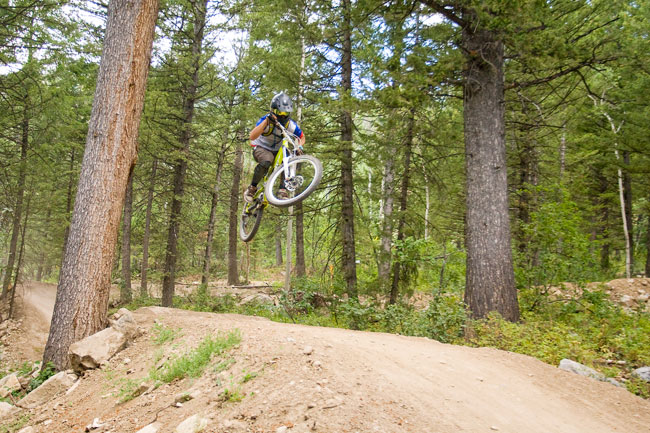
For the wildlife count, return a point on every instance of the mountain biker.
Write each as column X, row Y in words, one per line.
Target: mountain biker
column 266, row 140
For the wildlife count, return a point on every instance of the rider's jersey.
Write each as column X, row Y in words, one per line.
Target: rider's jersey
column 271, row 138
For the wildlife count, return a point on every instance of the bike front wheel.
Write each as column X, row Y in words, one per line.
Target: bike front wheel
column 250, row 220
column 305, row 173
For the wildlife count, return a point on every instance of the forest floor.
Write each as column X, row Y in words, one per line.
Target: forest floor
column 294, row 378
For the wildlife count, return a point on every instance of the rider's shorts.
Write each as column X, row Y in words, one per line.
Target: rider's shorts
column 260, row 154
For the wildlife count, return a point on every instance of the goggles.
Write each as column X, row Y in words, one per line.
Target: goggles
column 280, row 113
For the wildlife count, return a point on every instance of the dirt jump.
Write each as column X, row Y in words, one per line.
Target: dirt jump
column 294, row 378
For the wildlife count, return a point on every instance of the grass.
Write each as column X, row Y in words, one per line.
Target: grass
column 194, row 363
column 164, row 334
column 15, row 425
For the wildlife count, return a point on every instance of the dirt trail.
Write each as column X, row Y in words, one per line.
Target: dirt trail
column 348, row 381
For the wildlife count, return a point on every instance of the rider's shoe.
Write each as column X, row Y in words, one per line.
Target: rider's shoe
column 283, row 194
column 249, row 194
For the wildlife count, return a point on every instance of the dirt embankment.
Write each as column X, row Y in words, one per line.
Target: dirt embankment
column 297, row 378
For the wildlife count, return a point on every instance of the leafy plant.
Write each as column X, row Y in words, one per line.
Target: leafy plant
column 47, row 371
column 164, row 334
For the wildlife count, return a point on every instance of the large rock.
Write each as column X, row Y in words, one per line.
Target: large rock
column 582, row 370
column 642, row 373
column 92, row 351
column 6, row 409
column 49, row 389
column 151, row 428
column 123, row 321
column 9, row 384
column 193, row 424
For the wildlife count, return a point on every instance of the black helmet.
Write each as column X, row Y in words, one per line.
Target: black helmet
column 282, row 107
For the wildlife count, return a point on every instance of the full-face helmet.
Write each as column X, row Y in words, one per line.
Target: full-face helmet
column 282, row 107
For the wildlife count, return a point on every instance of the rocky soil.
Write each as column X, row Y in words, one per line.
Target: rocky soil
column 293, row 378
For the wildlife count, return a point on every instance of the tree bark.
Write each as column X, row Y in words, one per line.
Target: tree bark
column 189, row 99
column 233, row 235
column 490, row 283
column 278, row 243
column 647, row 241
column 68, row 202
column 147, row 231
column 383, row 270
column 403, row 202
column 22, row 174
column 125, row 290
column 20, row 260
column 111, row 149
column 627, row 197
column 347, row 207
column 212, row 220
column 300, row 224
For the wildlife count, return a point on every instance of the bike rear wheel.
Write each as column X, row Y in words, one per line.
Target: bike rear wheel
column 250, row 220
column 306, row 173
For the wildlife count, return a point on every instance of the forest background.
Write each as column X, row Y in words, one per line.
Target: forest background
column 386, row 95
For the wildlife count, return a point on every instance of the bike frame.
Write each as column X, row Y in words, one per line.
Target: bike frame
column 281, row 158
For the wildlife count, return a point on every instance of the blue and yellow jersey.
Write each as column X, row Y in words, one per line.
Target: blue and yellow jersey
column 271, row 138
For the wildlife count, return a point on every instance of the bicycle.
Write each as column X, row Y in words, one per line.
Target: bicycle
column 299, row 175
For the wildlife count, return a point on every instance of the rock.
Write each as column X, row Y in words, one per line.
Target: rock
column 49, row 389
column 258, row 298
column 583, row 370
column 193, row 424
column 28, row 429
column 186, row 396
column 9, row 384
column 6, row 409
column 232, row 426
column 282, row 429
column 125, row 323
column 627, row 300
column 308, row 350
column 151, row 428
column 642, row 373
column 94, row 425
column 93, row 351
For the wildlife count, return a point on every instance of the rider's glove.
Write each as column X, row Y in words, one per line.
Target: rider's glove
column 300, row 151
column 272, row 119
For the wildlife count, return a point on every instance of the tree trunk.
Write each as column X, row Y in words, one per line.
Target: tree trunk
column 111, row 148
column 603, row 226
column 383, row 270
column 403, row 202
column 20, row 260
column 212, row 221
column 125, row 290
column 68, row 202
column 347, row 206
column 301, row 270
column 22, row 174
column 147, row 230
column 189, row 99
column 233, row 235
column 278, row 243
column 627, row 197
column 490, row 282
column 300, row 225
column 647, row 241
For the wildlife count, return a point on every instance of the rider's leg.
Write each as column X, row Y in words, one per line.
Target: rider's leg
column 264, row 159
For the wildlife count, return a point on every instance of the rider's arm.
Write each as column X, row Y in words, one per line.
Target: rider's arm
column 259, row 128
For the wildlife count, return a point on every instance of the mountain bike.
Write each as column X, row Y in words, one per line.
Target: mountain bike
column 298, row 174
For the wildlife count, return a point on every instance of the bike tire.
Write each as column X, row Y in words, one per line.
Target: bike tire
column 317, row 167
column 248, row 229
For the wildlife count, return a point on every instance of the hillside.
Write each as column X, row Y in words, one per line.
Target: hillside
column 294, row 378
